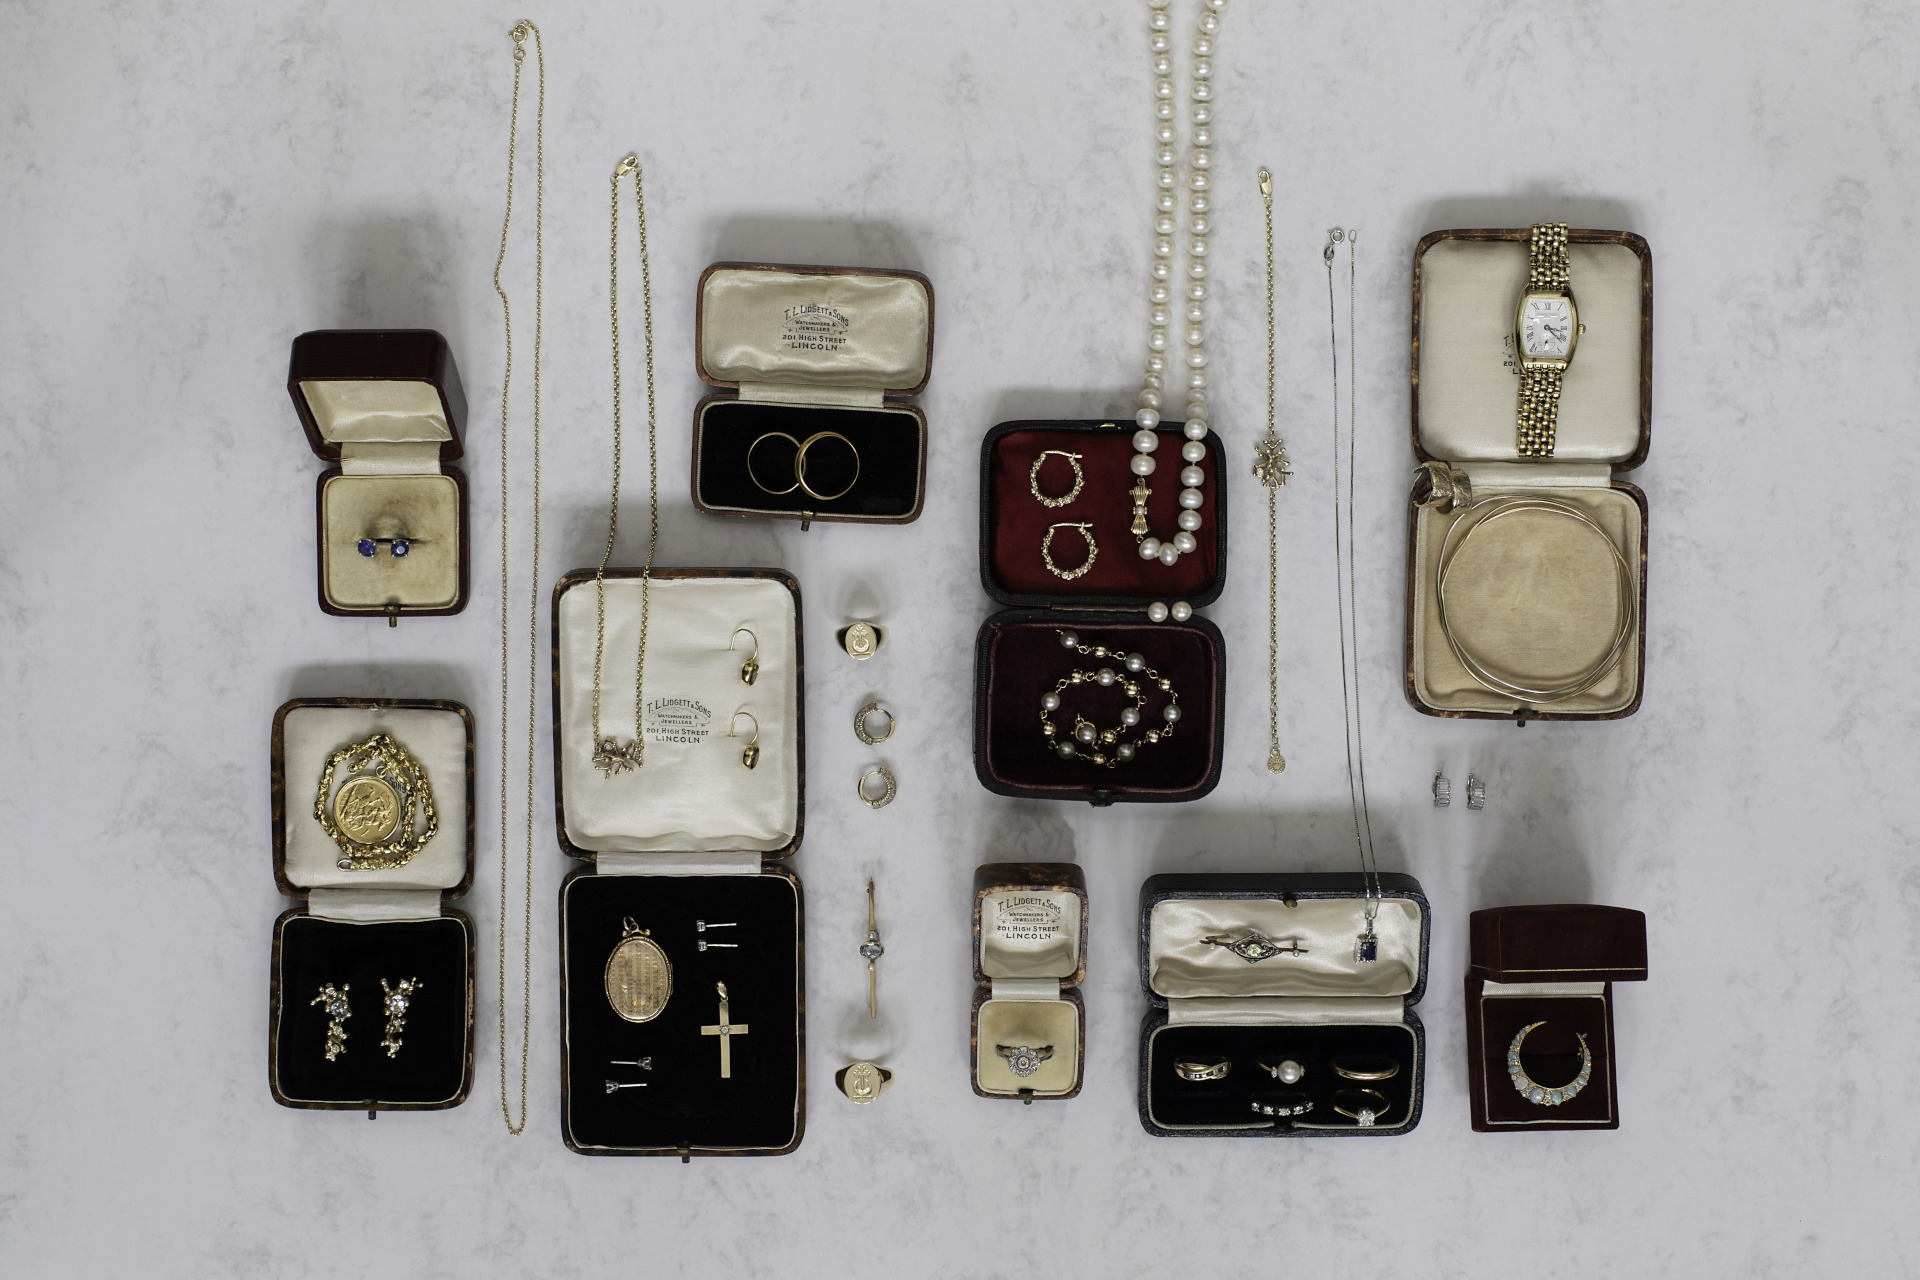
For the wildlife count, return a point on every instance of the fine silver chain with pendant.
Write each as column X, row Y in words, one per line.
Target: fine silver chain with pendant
column 1366, row 947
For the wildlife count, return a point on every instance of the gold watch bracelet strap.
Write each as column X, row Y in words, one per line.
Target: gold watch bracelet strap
column 1547, row 257
column 1539, row 417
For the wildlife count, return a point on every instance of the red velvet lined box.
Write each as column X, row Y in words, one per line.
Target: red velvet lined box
column 1553, row 965
column 1018, row 653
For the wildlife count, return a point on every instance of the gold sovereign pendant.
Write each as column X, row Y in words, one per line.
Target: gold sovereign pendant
column 376, row 814
column 639, row 976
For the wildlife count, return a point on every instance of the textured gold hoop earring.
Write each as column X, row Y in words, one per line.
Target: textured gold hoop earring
column 1046, row 551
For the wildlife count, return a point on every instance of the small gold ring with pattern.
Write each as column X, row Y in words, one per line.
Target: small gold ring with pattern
column 885, row 798
column 866, row 735
column 1079, row 477
column 1200, row 1071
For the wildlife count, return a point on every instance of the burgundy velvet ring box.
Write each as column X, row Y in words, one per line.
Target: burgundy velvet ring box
column 827, row 355
column 385, row 406
column 1019, row 655
column 1029, row 959
column 1554, row 966
column 367, row 931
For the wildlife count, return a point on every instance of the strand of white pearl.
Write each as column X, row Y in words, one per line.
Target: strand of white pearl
column 1200, row 159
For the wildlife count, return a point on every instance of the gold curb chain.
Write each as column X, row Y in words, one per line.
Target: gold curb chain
column 1270, row 469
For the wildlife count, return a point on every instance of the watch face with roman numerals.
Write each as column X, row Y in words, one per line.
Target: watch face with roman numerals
column 1546, row 326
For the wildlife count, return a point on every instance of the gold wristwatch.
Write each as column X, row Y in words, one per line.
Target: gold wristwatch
column 1546, row 325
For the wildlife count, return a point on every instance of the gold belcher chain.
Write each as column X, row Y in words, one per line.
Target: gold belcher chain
column 1270, row 469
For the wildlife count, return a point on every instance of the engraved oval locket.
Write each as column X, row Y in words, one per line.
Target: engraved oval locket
column 639, row 976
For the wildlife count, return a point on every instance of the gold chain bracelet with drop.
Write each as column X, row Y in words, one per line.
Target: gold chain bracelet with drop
column 1270, row 469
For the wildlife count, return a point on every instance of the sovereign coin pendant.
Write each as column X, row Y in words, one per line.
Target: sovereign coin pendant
column 367, row 809
column 375, row 804
column 639, row 975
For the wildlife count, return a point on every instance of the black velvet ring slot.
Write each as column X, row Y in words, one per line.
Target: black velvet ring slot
column 890, row 443
column 685, row 1101
column 431, row 1065
column 1227, row 1104
column 1550, row 1057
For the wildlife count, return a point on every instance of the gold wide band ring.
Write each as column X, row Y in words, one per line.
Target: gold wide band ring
column 800, row 465
column 1366, row 1068
column 1200, row 1071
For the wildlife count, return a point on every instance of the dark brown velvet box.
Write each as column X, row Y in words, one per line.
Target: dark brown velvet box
column 1628, row 344
column 1557, row 965
column 685, row 1110
column 1030, row 925
column 386, row 407
column 359, row 935
column 836, row 355
column 1018, row 655
column 1206, row 1005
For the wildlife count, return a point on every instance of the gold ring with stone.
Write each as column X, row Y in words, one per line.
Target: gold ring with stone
column 866, row 735
column 861, row 640
column 1365, row 1114
column 1200, row 1071
column 863, row 1081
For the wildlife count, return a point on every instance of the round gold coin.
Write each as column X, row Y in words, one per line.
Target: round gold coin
column 367, row 810
column 639, row 977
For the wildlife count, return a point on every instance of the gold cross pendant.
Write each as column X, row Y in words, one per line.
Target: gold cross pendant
column 726, row 1031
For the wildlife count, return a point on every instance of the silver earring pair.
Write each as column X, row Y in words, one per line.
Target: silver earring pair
column 1443, row 792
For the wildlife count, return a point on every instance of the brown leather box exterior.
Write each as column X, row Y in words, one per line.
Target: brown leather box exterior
column 1522, row 713
column 773, row 873
column 382, row 355
column 1037, row 877
column 1522, row 965
column 278, row 774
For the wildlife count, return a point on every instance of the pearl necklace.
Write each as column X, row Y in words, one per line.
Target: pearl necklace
column 1199, row 160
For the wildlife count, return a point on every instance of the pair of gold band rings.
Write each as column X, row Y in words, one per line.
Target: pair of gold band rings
column 800, row 450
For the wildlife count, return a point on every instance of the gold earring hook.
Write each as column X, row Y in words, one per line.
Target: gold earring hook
column 750, row 670
column 751, row 756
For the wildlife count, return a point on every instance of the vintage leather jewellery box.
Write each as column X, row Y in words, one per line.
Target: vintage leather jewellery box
column 1020, row 656
column 394, row 779
column 1549, row 972
column 1543, row 559
column 682, row 935
column 1029, row 959
column 814, row 419
column 1247, row 1037
column 385, row 407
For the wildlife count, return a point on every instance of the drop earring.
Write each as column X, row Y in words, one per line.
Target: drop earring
column 751, row 756
column 750, row 669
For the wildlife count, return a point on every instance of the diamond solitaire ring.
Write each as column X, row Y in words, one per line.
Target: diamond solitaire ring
column 1364, row 1107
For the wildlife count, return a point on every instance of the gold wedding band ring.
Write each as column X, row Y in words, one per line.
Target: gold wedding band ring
column 1365, row 1068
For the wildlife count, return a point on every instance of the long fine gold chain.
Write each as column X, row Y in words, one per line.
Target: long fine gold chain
column 608, row 755
column 1270, row 468
column 520, row 33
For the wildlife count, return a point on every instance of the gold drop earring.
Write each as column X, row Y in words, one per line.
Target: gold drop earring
column 751, row 756
column 750, row 670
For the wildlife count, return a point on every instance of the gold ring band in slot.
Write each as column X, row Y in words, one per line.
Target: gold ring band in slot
column 885, row 798
column 774, row 435
column 1201, row 1071
column 866, row 735
column 1365, row 1068
column 800, row 466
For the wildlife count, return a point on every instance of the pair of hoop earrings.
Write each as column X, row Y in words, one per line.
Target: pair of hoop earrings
column 1443, row 792
column 1061, row 500
column 395, row 1000
column 800, row 449
column 889, row 785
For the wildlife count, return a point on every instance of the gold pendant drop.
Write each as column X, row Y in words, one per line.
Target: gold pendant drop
column 609, row 757
column 639, row 977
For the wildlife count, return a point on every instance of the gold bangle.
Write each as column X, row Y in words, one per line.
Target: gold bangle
column 1365, row 1068
column 1202, row 1071
column 800, row 466
column 774, row 435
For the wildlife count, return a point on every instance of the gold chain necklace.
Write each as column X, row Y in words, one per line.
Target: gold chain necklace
column 520, row 33
column 608, row 755
column 1270, row 468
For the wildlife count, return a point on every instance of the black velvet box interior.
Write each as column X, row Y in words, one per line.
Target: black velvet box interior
column 432, row 1065
column 686, row 1105
column 1019, row 657
column 1013, row 523
column 1174, row 1107
column 884, row 483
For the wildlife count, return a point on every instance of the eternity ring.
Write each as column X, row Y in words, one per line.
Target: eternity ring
column 1282, row 1109
column 1365, row 1115
column 866, row 735
column 1254, row 946
column 885, row 798
column 1023, row 1061
column 1366, row 1068
column 1199, row 1071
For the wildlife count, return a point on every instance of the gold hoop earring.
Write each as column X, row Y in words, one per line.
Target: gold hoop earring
column 887, row 783
column 750, row 670
column 1079, row 477
column 773, row 435
column 865, row 734
column 1046, row 551
column 751, row 756
column 800, row 466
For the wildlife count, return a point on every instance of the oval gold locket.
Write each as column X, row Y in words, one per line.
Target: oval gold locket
column 639, row 976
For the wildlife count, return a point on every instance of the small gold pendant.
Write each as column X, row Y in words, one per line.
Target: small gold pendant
column 639, row 976
column 609, row 757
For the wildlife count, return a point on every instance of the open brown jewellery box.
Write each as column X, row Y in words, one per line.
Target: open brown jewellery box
column 385, row 407
column 372, row 932
column 688, row 849
column 816, row 367
column 1551, row 969
column 1349, row 1025
column 1537, row 599
column 1020, row 655
column 1029, row 958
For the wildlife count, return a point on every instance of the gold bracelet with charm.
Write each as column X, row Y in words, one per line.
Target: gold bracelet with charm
column 375, row 815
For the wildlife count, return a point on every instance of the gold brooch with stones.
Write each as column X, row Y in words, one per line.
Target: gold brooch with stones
column 381, row 812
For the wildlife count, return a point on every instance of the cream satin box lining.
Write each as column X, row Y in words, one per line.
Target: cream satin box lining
column 1025, row 1004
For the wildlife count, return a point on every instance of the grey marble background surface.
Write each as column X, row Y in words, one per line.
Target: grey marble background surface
column 188, row 187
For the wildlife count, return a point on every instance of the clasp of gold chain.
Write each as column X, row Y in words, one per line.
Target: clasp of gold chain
column 628, row 164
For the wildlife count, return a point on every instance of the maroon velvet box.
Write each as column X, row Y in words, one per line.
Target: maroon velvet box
column 1554, row 966
column 1019, row 655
